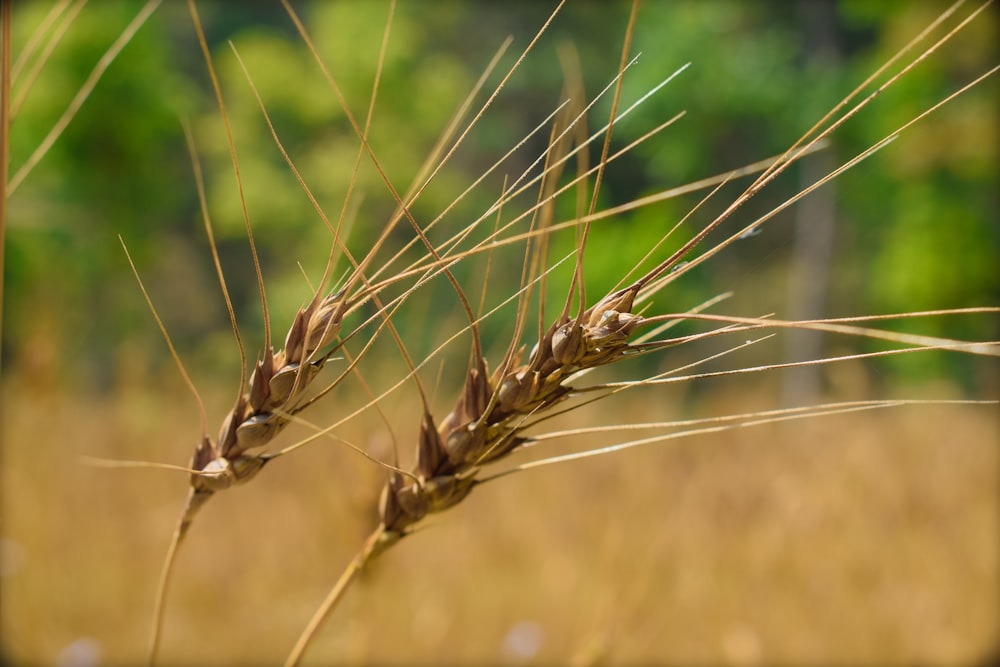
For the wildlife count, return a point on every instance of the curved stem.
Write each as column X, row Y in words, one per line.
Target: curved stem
column 194, row 502
column 6, row 19
column 373, row 546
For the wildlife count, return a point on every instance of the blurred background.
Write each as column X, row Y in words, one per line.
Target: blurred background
column 858, row 539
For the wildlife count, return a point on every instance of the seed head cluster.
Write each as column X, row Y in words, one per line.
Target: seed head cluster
column 489, row 417
column 275, row 392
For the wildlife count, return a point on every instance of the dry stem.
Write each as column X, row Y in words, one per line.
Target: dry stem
column 372, row 547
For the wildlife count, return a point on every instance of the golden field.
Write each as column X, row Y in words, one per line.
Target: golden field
column 861, row 539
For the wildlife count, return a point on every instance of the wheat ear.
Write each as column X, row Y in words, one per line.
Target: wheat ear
column 488, row 421
column 280, row 383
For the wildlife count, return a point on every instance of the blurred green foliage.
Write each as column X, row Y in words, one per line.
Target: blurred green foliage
column 917, row 225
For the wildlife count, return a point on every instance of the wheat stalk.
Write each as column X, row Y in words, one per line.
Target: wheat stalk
column 494, row 410
column 278, row 386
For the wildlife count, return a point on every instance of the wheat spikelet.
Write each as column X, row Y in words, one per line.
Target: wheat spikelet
column 484, row 426
column 276, row 390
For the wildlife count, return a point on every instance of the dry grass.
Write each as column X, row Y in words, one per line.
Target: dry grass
column 858, row 539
